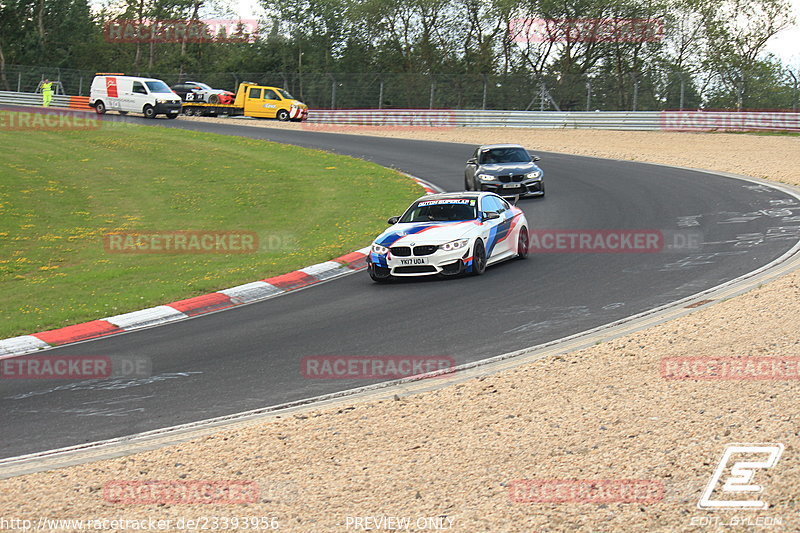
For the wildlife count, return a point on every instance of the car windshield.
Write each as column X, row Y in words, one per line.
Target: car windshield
column 158, row 87
column 454, row 209
column 286, row 94
column 493, row 156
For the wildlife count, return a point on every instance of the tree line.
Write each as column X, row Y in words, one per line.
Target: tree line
column 535, row 54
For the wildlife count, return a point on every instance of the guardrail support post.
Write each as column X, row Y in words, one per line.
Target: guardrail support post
column 380, row 96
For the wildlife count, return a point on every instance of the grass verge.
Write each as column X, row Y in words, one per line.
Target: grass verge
column 62, row 191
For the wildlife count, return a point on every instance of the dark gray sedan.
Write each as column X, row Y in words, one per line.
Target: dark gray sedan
column 504, row 169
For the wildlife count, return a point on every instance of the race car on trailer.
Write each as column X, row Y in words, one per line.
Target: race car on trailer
column 449, row 234
column 258, row 101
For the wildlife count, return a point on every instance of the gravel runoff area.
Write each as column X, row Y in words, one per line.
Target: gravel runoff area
column 449, row 458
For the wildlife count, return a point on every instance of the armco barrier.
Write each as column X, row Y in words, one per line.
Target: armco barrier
column 438, row 118
column 612, row 120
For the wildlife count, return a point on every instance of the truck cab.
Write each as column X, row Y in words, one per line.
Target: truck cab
column 269, row 102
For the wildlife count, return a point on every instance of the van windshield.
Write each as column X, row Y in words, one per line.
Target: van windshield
column 158, row 87
column 286, row 94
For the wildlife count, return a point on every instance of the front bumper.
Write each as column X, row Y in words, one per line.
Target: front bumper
column 446, row 263
column 523, row 188
column 172, row 109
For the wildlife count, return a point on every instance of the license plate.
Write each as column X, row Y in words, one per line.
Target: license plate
column 414, row 261
column 510, row 185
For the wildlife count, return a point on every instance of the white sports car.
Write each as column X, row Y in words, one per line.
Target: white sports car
column 449, row 234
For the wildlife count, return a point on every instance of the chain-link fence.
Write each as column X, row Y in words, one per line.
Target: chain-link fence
column 522, row 91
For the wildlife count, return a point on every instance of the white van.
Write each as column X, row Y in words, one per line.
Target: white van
column 131, row 94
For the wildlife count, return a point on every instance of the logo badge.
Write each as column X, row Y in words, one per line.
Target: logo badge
column 744, row 461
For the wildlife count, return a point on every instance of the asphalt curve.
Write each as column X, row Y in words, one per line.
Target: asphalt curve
column 249, row 357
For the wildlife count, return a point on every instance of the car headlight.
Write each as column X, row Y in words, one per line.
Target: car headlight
column 162, row 100
column 380, row 250
column 533, row 175
column 486, row 177
column 453, row 245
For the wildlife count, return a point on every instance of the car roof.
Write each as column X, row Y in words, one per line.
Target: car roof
column 142, row 78
column 450, row 195
column 489, row 146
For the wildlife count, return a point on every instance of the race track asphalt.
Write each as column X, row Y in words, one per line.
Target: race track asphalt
column 249, row 357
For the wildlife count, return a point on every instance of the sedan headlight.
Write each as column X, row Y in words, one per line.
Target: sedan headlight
column 380, row 250
column 453, row 245
column 486, row 177
column 533, row 175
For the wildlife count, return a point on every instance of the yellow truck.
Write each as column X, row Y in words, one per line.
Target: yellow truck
column 252, row 100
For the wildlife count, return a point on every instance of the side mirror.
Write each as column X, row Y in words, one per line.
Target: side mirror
column 472, row 161
column 491, row 215
column 536, row 158
column 393, row 220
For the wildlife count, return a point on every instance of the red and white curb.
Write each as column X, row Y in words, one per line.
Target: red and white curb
column 199, row 305
column 182, row 309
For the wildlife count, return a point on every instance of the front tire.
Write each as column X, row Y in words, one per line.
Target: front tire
column 149, row 111
column 172, row 115
column 522, row 243
column 282, row 115
column 467, row 186
column 478, row 259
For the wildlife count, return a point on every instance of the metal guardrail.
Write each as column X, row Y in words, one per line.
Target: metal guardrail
column 32, row 99
column 612, row 120
column 444, row 118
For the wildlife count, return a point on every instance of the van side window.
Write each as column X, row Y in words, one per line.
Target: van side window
column 269, row 94
column 255, row 93
column 139, row 88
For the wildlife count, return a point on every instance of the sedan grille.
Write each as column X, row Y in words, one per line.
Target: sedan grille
column 401, row 251
column 418, row 269
column 507, row 178
column 424, row 250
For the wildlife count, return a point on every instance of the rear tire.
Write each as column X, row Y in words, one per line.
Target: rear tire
column 149, row 111
column 522, row 243
column 100, row 107
column 478, row 259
